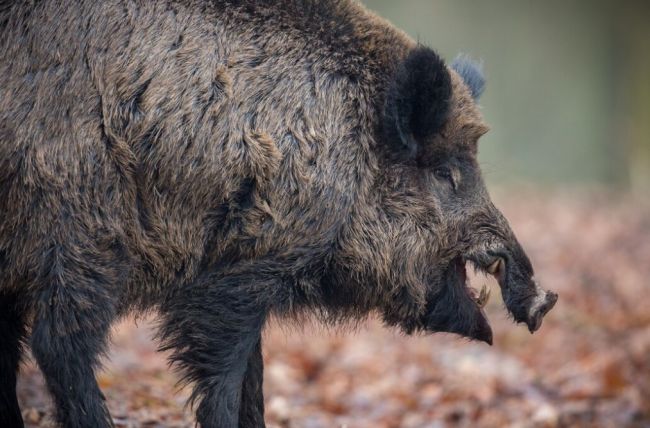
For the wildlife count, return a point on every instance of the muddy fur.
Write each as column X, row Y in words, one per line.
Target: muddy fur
column 221, row 162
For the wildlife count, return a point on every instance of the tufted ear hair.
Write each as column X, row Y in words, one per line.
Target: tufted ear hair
column 472, row 73
column 417, row 102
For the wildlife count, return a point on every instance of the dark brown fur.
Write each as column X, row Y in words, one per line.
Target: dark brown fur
column 220, row 162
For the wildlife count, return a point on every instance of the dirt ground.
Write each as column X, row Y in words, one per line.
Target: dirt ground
column 589, row 365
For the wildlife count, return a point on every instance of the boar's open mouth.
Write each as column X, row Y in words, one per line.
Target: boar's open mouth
column 458, row 307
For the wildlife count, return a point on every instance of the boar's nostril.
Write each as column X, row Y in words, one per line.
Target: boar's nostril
column 551, row 299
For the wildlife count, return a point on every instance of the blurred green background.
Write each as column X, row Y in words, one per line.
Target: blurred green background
column 568, row 91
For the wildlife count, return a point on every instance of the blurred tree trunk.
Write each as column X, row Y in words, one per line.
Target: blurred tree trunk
column 634, row 32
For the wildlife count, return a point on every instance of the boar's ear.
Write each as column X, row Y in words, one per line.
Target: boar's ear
column 417, row 102
column 472, row 73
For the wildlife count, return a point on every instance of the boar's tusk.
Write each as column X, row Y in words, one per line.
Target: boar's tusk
column 483, row 297
column 496, row 268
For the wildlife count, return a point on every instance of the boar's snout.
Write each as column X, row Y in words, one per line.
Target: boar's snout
column 542, row 303
column 488, row 244
column 522, row 295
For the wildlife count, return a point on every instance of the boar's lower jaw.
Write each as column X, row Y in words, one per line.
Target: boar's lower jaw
column 455, row 308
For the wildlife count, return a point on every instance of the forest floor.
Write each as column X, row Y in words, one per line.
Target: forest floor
column 589, row 365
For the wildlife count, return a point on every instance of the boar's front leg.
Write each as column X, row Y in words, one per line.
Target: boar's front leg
column 213, row 327
column 72, row 320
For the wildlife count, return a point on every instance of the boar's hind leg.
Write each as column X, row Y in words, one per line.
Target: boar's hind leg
column 251, row 412
column 71, row 325
column 12, row 332
column 214, row 327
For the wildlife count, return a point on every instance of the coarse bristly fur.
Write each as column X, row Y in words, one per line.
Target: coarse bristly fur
column 223, row 162
column 472, row 74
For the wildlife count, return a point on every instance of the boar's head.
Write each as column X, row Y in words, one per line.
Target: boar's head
column 429, row 214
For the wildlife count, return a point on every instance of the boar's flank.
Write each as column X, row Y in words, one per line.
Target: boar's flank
column 222, row 162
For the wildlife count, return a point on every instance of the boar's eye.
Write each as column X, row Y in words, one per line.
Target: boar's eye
column 444, row 173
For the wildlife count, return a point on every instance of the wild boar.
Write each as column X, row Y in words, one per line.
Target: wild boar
column 223, row 162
